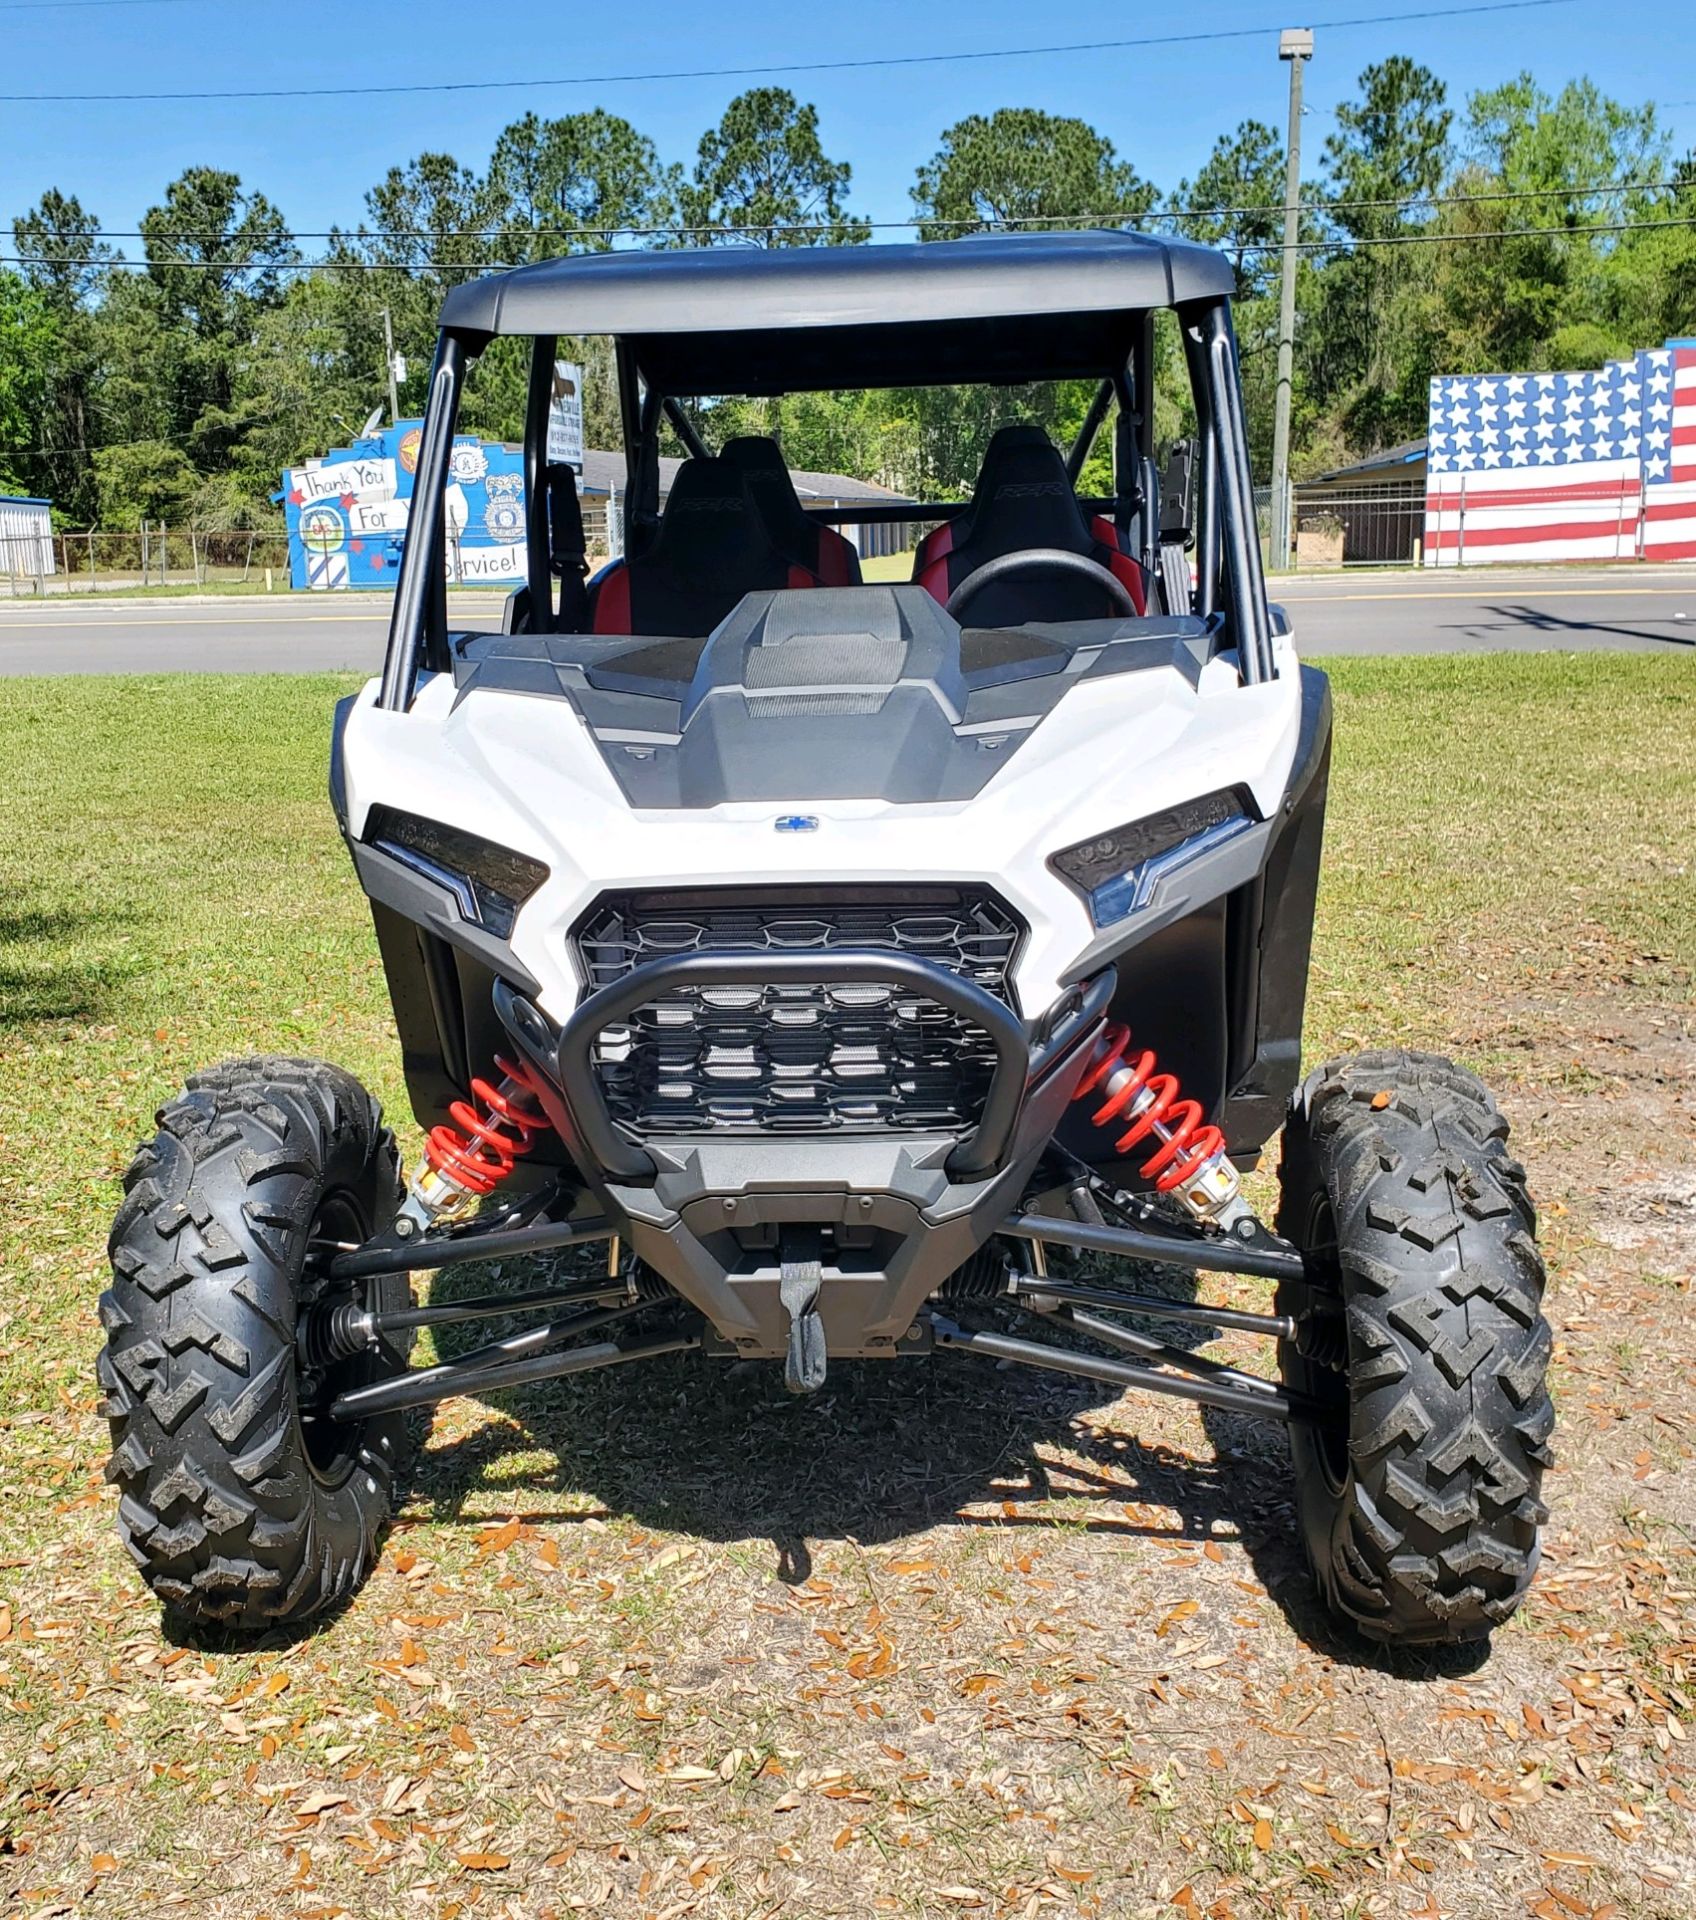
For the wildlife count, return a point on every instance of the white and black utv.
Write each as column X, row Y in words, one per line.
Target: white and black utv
column 812, row 943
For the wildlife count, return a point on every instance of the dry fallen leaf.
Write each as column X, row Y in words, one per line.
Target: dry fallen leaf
column 1181, row 1611
column 499, row 1540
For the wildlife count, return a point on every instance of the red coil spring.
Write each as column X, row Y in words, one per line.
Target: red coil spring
column 1185, row 1144
column 474, row 1152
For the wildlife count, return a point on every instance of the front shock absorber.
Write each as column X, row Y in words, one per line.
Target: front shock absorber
column 465, row 1162
column 1189, row 1161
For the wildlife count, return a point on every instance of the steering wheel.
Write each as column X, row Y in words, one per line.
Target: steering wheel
column 1007, row 566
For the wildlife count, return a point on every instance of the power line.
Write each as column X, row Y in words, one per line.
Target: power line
column 1338, row 243
column 1348, row 244
column 1602, row 190
column 868, row 63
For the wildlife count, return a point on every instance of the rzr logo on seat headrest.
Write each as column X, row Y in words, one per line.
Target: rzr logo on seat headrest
column 1032, row 490
column 730, row 504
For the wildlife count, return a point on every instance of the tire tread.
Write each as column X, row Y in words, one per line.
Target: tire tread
column 1434, row 1535
column 218, row 1504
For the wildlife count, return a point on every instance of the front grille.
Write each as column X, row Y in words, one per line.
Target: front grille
column 798, row 1059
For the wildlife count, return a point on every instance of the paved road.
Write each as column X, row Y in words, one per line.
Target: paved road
column 1640, row 609
column 1636, row 609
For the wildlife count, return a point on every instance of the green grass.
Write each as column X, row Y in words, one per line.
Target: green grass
column 889, row 568
column 1503, row 831
column 176, row 892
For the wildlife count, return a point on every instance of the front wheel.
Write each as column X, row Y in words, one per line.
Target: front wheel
column 242, row 1501
column 1422, row 1335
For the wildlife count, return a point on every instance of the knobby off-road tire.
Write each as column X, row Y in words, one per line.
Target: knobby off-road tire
column 240, row 1502
column 1423, row 1331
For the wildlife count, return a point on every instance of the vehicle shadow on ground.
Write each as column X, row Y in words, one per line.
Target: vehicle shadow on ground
column 1546, row 622
column 42, row 976
column 885, row 1451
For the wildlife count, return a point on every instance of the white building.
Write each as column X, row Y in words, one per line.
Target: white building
column 26, row 536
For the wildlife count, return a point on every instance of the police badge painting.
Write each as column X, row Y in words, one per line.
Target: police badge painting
column 503, row 519
column 469, row 462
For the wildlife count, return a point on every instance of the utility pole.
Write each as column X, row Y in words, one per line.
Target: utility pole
column 389, row 362
column 1295, row 45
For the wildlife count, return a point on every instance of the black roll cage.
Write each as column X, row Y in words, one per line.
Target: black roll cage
column 1229, row 575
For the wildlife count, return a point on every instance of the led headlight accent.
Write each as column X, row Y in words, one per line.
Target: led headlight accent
column 1119, row 871
column 490, row 883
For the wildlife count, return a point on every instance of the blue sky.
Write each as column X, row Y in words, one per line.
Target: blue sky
column 1161, row 106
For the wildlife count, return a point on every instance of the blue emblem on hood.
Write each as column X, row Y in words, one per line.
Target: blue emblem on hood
column 797, row 823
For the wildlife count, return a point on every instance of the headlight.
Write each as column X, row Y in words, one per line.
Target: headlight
column 1118, row 871
column 489, row 882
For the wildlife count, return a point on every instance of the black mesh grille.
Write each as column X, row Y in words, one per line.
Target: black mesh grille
column 798, row 1059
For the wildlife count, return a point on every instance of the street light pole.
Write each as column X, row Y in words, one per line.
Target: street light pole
column 389, row 361
column 1296, row 46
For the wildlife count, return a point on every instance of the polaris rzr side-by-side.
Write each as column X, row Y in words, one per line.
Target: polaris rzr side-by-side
column 837, row 954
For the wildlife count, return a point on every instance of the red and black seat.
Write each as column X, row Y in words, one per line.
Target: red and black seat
column 1024, row 499
column 712, row 546
column 821, row 549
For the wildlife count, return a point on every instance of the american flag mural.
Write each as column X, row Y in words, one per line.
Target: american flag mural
column 1669, row 452
column 1564, row 466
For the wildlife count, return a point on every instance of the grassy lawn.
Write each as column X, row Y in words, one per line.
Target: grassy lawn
column 936, row 1642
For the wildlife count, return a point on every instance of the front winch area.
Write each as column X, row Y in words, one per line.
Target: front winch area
column 798, row 1058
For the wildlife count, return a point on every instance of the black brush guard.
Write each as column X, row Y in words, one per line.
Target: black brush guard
column 665, row 1201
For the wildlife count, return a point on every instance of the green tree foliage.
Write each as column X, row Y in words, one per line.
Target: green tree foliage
column 1236, row 203
column 144, row 479
column 575, row 185
column 763, row 172
column 178, row 385
column 1362, row 347
column 60, row 249
column 1510, row 297
column 180, row 336
column 28, row 343
column 1651, row 282
column 64, row 261
column 1021, row 166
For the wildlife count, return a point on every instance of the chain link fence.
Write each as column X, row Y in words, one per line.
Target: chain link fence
column 101, row 559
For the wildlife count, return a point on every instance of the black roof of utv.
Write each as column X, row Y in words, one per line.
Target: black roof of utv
column 762, row 320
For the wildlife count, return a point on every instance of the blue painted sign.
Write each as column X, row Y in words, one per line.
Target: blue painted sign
column 347, row 513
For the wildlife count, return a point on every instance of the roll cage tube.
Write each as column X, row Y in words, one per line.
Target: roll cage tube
column 420, row 598
column 538, row 560
column 1228, row 528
